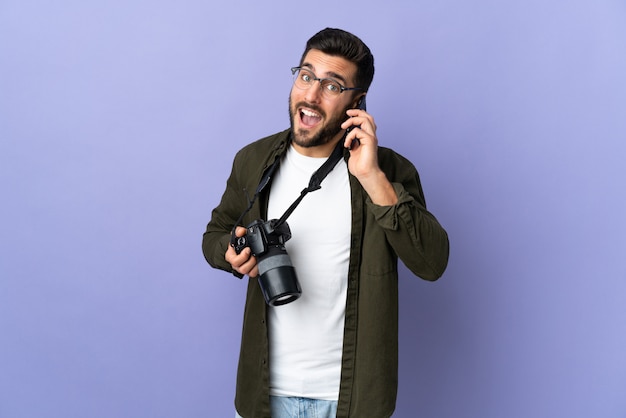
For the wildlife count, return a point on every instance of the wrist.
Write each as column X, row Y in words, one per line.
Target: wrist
column 379, row 189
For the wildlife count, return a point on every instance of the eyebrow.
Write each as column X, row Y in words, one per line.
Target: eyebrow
column 328, row 74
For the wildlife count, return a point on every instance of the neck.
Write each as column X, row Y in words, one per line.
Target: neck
column 319, row 151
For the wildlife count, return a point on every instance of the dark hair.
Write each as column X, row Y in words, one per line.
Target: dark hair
column 346, row 45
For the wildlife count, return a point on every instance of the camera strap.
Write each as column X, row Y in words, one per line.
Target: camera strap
column 315, row 183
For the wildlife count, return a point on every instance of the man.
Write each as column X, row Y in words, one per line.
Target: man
column 336, row 347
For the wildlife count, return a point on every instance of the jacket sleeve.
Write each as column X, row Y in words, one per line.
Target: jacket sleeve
column 216, row 239
column 412, row 231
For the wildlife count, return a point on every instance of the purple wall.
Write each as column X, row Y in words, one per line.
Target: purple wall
column 118, row 124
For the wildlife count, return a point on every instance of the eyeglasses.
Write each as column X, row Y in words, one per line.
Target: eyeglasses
column 304, row 79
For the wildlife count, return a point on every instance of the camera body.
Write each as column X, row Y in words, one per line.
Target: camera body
column 277, row 276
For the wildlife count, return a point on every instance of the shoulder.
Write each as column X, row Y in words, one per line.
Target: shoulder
column 265, row 147
column 252, row 160
column 392, row 162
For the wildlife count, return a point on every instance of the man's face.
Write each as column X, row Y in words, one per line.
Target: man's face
column 315, row 118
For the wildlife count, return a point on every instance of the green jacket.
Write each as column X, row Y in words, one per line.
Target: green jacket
column 369, row 374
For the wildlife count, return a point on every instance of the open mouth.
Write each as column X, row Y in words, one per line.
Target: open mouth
column 308, row 118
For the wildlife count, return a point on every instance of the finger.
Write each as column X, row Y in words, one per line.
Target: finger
column 249, row 267
column 353, row 139
column 352, row 121
column 359, row 135
column 243, row 263
column 231, row 256
column 356, row 112
column 357, row 124
column 236, row 260
column 254, row 272
column 362, row 118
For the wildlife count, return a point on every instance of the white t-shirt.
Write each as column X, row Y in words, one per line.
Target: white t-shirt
column 306, row 336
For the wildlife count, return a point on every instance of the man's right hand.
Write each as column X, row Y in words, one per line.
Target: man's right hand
column 244, row 262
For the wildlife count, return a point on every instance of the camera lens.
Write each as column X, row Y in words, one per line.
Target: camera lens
column 278, row 279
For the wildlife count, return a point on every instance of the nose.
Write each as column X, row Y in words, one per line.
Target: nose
column 314, row 93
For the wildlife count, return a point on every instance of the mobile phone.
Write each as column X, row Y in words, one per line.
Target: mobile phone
column 360, row 105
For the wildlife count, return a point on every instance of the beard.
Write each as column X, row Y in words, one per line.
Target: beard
column 325, row 133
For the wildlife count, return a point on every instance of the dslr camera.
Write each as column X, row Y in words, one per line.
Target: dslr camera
column 277, row 276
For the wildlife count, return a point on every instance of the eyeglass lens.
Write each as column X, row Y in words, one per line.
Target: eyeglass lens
column 304, row 79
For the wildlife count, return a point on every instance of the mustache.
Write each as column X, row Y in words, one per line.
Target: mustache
column 313, row 107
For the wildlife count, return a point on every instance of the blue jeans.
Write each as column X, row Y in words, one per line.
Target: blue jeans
column 283, row 407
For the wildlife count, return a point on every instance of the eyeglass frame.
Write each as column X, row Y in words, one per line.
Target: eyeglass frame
column 315, row 78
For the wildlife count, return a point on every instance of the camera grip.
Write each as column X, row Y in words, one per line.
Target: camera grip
column 238, row 243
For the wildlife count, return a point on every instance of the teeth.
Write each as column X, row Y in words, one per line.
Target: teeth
column 309, row 113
